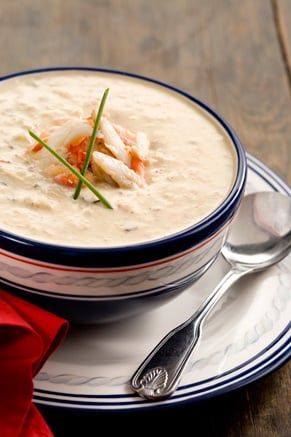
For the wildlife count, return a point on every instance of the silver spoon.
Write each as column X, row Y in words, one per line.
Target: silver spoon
column 259, row 237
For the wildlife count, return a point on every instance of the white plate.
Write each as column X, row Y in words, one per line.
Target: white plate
column 245, row 338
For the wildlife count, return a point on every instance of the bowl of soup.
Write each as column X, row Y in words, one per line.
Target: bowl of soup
column 168, row 174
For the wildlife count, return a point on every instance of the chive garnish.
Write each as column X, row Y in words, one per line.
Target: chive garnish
column 73, row 170
column 92, row 142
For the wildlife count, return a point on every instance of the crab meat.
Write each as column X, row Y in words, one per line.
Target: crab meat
column 126, row 135
column 113, row 142
column 142, row 146
column 67, row 134
column 123, row 176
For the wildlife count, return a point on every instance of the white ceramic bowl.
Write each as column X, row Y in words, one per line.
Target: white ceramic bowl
column 88, row 285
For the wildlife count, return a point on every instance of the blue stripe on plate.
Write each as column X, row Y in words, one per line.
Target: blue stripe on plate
column 197, row 384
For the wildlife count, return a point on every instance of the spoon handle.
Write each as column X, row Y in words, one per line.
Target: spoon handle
column 158, row 376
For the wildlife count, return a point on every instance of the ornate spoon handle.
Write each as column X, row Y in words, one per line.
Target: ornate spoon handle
column 158, row 376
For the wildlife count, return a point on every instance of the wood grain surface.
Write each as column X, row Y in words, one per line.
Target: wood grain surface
column 235, row 55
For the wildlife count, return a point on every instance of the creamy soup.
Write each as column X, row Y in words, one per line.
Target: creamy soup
column 189, row 170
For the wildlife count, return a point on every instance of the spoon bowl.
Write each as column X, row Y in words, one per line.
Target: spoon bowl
column 261, row 235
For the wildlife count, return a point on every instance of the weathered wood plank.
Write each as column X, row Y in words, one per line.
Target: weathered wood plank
column 282, row 12
column 249, row 79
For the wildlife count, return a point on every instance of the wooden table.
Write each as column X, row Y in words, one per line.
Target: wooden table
column 235, row 55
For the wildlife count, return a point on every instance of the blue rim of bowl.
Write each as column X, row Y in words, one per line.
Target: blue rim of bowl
column 140, row 253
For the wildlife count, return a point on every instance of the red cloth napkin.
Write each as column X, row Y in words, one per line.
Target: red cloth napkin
column 28, row 335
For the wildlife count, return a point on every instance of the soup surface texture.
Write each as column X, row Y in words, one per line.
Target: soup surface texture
column 190, row 169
